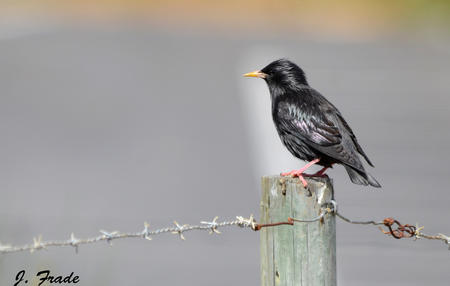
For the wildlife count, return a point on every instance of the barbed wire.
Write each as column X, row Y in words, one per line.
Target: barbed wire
column 395, row 229
column 146, row 233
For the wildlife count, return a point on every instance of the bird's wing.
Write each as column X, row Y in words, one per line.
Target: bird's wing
column 309, row 123
column 316, row 124
column 355, row 141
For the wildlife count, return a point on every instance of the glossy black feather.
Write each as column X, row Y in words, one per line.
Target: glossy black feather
column 309, row 125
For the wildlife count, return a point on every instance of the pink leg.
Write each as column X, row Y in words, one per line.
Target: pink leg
column 321, row 172
column 299, row 173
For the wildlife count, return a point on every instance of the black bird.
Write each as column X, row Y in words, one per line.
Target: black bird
column 310, row 127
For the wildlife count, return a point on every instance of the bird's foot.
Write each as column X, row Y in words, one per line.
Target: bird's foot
column 288, row 173
column 301, row 172
column 300, row 175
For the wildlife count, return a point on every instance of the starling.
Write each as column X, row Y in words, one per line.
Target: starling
column 310, row 127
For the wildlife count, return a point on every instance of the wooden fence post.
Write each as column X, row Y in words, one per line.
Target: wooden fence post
column 305, row 253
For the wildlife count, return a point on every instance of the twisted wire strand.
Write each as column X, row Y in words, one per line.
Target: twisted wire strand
column 358, row 222
column 146, row 233
column 416, row 234
column 214, row 225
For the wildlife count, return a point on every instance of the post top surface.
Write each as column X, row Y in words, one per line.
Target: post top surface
column 288, row 179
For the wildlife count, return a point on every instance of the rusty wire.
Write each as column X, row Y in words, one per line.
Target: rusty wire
column 398, row 230
column 401, row 231
column 394, row 229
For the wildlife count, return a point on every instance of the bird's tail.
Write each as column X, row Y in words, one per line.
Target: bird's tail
column 362, row 178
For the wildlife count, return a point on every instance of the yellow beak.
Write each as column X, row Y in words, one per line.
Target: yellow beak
column 256, row 74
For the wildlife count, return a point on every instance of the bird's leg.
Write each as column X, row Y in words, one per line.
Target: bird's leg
column 299, row 173
column 302, row 170
column 320, row 173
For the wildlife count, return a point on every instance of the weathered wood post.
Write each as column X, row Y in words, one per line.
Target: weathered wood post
column 303, row 253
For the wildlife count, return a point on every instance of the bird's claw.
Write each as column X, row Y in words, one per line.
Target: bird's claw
column 297, row 173
column 288, row 173
column 304, row 182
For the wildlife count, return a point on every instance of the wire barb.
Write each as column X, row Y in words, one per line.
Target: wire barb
column 145, row 232
column 179, row 229
column 74, row 242
column 109, row 236
column 243, row 222
column 212, row 225
column 37, row 243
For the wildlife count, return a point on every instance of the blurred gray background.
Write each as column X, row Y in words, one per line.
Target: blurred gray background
column 108, row 126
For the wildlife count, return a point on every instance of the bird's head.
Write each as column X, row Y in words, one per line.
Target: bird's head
column 281, row 74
